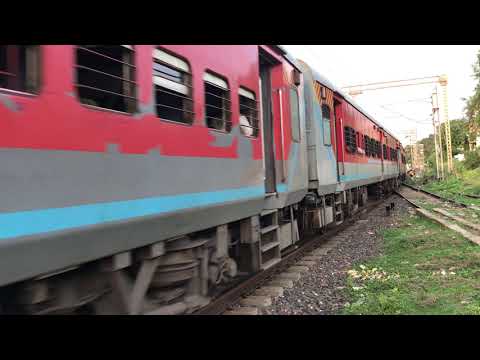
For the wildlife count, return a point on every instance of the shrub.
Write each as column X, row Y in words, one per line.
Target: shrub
column 472, row 159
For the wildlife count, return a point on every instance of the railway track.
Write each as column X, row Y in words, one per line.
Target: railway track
column 452, row 214
column 436, row 196
column 471, row 196
column 311, row 244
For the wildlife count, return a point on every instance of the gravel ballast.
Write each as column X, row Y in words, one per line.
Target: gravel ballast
column 320, row 290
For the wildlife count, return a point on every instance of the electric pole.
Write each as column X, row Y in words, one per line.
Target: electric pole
column 443, row 83
column 412, row 136
column 437, row 127
column 437, row 157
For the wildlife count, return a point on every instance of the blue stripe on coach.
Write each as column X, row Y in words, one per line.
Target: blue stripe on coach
column 31, row 222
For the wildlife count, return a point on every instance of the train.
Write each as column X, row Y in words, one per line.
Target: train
column 145, row 179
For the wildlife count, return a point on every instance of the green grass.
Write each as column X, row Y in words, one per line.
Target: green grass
column 467, row 182
column 425, row 269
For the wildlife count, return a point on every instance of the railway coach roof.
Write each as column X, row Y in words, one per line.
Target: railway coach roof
column 326, row 82
column 291, row 59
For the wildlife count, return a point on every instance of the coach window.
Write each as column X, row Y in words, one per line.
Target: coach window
column 248, row 112
column 384, row 151
column 106, row 76
column 172, row 82
column 327, row 140
column 217, row 103
column 20, row 68
column 295, row 111
column 350, row 139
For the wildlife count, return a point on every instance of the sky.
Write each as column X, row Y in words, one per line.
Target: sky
column 399, row 109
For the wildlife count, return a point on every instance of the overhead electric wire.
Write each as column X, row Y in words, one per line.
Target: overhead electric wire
column 422, row 122
column 315, row 56
column 412, row 100
column 393, row 81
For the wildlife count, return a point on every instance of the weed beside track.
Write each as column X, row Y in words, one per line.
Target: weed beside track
column 424, row 269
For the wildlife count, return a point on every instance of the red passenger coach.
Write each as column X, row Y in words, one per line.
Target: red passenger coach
column 369, row 152
column 142, row 179
column 71, row 87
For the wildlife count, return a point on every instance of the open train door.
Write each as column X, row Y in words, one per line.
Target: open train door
column 383, row 141
column 399, row 157
column 338, row 131
column 266, row 63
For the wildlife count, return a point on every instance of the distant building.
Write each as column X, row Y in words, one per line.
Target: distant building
column 418, row 160
column 460, row 157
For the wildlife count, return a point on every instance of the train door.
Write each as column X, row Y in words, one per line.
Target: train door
column 383, row 140
column 338, row 128
column 266, row 63
column 399, row 158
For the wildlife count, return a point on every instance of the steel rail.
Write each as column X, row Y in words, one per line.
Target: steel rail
column 435, row 195
column 471, row 196
column 407, row 200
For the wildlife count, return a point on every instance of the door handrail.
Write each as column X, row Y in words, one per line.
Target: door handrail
column 284, row 171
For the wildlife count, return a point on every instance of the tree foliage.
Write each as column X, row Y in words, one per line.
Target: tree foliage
column 460, row 131
column 472, row 109
column 459, row 136
column 472, row 160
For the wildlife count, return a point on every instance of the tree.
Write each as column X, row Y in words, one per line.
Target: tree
column 459, row 136
column 429, row 151
column 472, row 109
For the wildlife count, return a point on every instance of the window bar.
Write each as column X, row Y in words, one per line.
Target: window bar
column 219, row 108
column 184, row 84
column 250, row 99
column 222, row 120
column 164, row 74
column 250, row 127
column 7, row 73
column 106, row 56
column 218, row 87
column 104, row 73
column 129, row 73
column 167, row 91
column 218, row 96
column 248, row 107
column 170, row 66
column 226, row 124
column 106, row 91
column 32, row 63
column 174, row 108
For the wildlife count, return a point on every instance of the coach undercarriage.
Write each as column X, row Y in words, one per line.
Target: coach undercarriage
column 183, row 274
